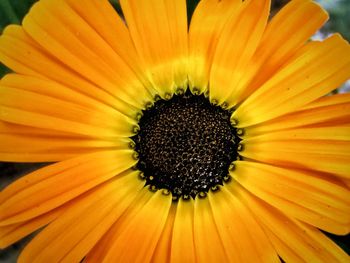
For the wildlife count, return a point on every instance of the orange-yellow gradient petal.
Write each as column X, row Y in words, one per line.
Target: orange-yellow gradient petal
column 135, row 235
column 304, row 195
column 12, row 233
column 207, row 242
column 52, row 186
column 293, row 240
column 283, row 36
column 105, row 68
column 182, row 242
column 206, row 26
column 159, row 33
column 236, row 46
column 314, row 71
column 72, row 235
column 22, row 54
column 325, row 112
column 242, row 237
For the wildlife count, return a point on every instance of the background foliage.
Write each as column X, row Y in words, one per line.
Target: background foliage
column 12, row 12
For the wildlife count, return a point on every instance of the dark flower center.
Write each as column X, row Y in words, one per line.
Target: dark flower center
column 185, row 145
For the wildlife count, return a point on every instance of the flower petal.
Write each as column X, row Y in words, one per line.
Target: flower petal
column 326, row 112
column 29, row 196
column 72, row 235
column 22, row 54
column 139, row 231
column 289, row 29
column 236, row 46
column 12, row 233
column 81, row 48
column 27, row 144
column 317, row 69
column 293, row 240
column 240, row 233
column 33, row 109
column 98, row 253
column 101, row 17
column 307, row 196
column 208, row 244
column 163, row 249
column 182, row 242
column 206, row 26
column 324, row 149
column 159, row 32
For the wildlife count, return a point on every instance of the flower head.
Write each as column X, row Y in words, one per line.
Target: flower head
column 208, row 143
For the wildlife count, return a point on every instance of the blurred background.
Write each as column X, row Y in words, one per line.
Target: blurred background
column 12, row 12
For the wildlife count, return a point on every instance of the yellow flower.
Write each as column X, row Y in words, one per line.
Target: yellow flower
column 243, row 157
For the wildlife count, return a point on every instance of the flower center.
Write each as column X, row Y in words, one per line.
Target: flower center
column 185, row 145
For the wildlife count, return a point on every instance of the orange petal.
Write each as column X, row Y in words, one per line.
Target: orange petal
column 159, row 32
column 29, row 196
column 317, row 69
column 289, row 29
column 207, row 242
column 12, row 233
column 182, row 242
column 102, row 18
column 325, row 149
column 98, row 253
column 27, row 144
column 236, row 46
column 240, row 233
column 22, row 54
column 72, row 235
column 139, row 231
column 325, row 112
column 81, row 48
column 302, row 195
column 163, row 250
column 206, row 26
column 56, row 90
column 33, row 109
column 294, row 241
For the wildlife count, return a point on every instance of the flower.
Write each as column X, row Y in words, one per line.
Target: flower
column 97, row 95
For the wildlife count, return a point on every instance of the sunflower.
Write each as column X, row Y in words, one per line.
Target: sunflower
column 212, row 142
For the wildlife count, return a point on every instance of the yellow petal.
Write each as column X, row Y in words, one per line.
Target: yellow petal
column 22, row 54
column 208, row 244
column 27, row 144
column 139, row 233
column 320, row 149
column 303, row 195
column 54, row 89
column 159, row 32
column 81, row 48
column 101, row 17
column 182, row 245
column 98, row 253
column 29, row 196
column 317, row 69
column 240, row 233
column 33, row 109
column 72, row 235
column 12, row 233
column 293, row 240
column 289, row 29
column 206, row 26
column 163, row 250
column 325, row 112
column 236, row 46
